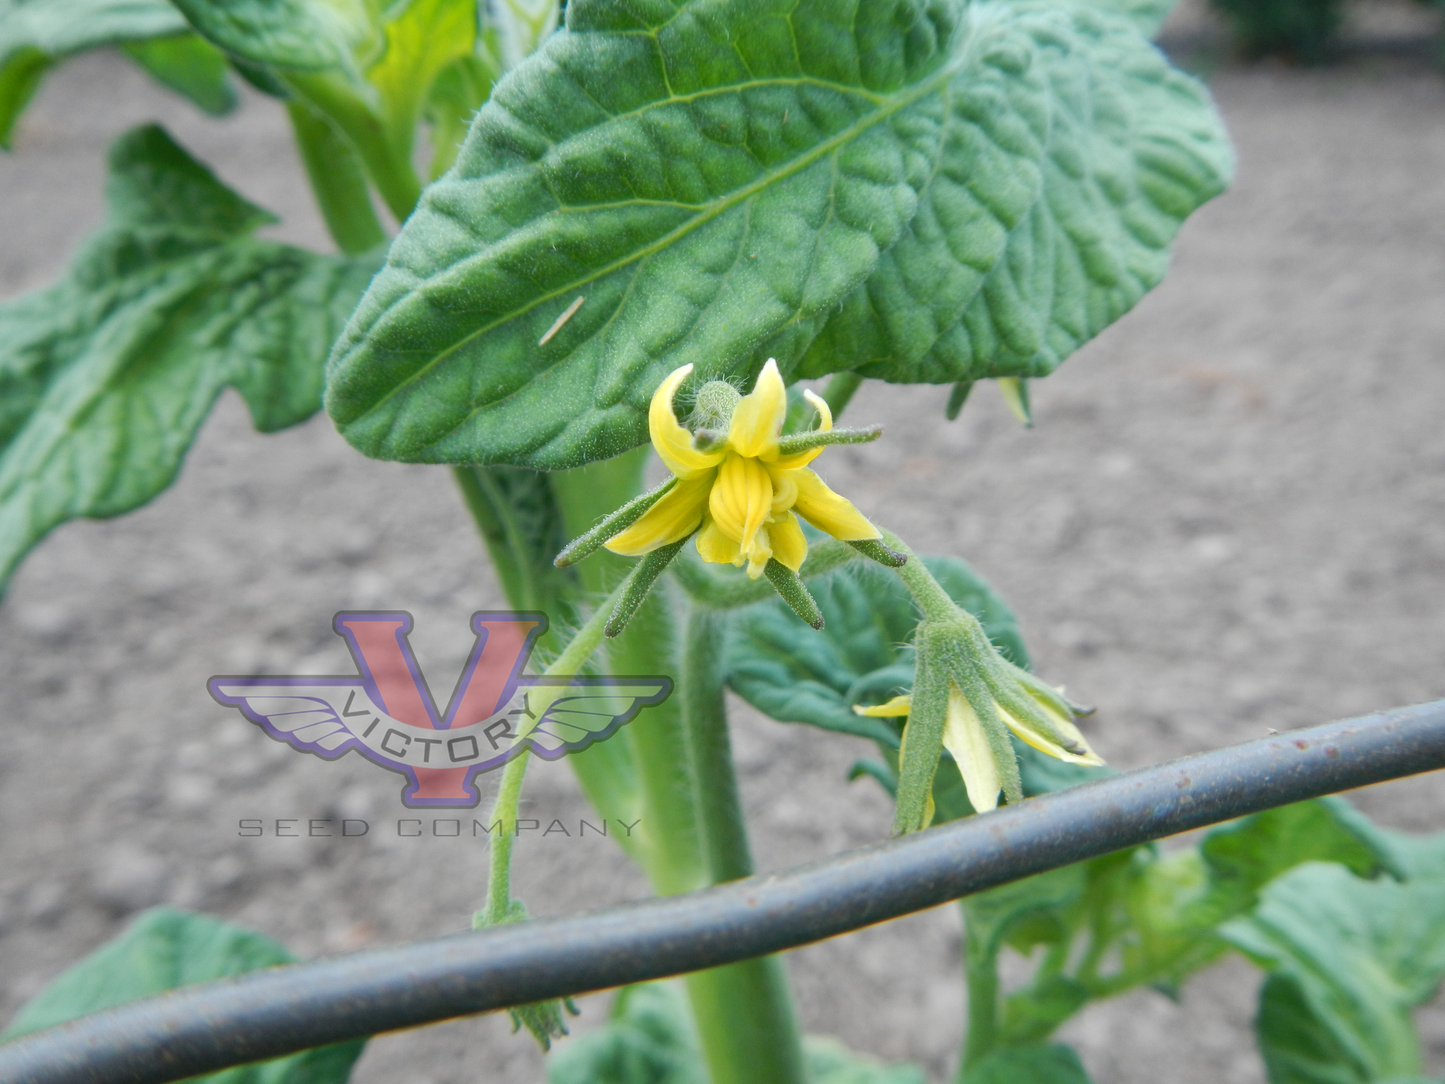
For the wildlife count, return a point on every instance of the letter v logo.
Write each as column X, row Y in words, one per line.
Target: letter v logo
column 387, row 713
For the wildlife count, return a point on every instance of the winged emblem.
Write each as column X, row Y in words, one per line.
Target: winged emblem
column 386, row 711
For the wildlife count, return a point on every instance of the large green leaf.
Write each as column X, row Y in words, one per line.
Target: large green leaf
column 1056, row 1064
column 164, row 949
column 34, row 34
column 714, row 177
column 1146, row 15
column 190, row 66
column 1354, row 958
column 1027, row 245
column 304, row 34
column 650, row 1039
column 106, row 376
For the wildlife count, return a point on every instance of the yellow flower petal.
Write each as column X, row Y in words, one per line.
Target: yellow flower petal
column 790, row 546
column 672, row 441
column 963, row 736
column 785, row 489
column 676, row 516
column 759, row 553
column 802, row 459
column 758, row 418
column 899, row 705
column 716, row 547
column 829, row 512
column 741, row 499
column 1044, row 744
column 825, row 412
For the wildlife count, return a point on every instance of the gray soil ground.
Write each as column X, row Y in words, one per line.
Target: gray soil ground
column 1231, row 516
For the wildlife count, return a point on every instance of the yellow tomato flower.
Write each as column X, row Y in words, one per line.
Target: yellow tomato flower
column 739, row 495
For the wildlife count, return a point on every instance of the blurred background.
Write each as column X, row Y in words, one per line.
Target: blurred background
column 1229, row 517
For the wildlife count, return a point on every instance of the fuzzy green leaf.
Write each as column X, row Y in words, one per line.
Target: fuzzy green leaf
column 650, row 1039
column 1357, row 956
column 1146, row 15
column 34, row 34
column 309, row 35
column 106, row 376
column 714, row 178
column 1066, row 168
column 189, row 65
column 1056, row 1064
column 164, row 949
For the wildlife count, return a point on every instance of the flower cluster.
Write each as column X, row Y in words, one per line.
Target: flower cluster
column 736, row 488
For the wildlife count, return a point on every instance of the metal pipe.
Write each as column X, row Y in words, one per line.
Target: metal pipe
column 203, row 1028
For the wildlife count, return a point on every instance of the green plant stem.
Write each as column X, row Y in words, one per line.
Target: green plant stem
column 497, row 524
column 744, row 1012
column 932, row 599
column 504, row 822
column 980, row 972
column 694, row 829
column 390, row 171
column 839, row 391
column 671, row 849
column 705, row 713
column 504, row 809
column 337, row 180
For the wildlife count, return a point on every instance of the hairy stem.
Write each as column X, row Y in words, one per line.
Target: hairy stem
column 509, row 794
column 980, row 972
column 744, row 1012
column 932, row 599
column 390, row 171
column 497, row 523
column 337, row 180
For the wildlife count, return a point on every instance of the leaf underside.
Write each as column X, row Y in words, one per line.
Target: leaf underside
column 106, row 376
column 922, row 190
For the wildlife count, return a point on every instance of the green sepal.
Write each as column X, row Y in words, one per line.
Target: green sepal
column 789, row 585
column 722, row 590
column 875, row 550
column 1015, row 392
column 639, row 583
column 957, row 397
column 585, row 545
column 816, row 438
